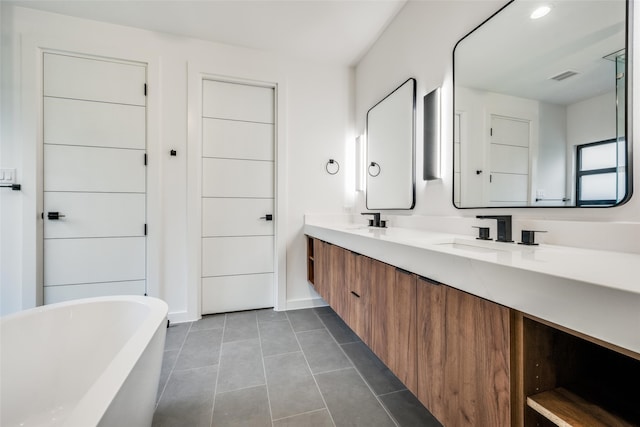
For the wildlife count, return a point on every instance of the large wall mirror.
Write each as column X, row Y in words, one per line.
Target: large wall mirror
column 541, row 106
column 390, row 162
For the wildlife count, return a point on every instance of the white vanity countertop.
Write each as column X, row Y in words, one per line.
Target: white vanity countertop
column 590, row 291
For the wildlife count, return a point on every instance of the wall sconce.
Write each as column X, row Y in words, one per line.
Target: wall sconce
column 431, row 163
column 361, row 152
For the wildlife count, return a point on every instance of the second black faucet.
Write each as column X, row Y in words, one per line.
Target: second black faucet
column 376, row 221
column 504, row 226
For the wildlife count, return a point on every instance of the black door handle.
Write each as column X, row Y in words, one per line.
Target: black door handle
column 267, row 217
column 54, row 215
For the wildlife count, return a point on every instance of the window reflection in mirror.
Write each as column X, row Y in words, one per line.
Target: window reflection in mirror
column 529, row 93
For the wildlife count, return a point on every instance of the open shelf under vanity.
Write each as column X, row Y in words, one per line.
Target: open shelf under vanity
column 572, row 381
column 310, row 261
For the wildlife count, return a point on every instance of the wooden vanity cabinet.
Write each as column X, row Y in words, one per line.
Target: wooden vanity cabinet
column 464, row 349
column 393, row 320
column 358, row 317
column 473, row 362
column 337, row 294
column 341, row 278
column 430, row 299
column 381, row 281
column 320, row 264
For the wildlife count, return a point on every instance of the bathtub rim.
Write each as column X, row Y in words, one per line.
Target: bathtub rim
column 91, row 407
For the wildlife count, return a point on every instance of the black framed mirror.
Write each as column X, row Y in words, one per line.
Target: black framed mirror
column 534, row 85
column 390, row 164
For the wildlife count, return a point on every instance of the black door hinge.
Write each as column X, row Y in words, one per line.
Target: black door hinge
column 145, row 89
column 490, row 129
column 145, row 229
column 145, row 159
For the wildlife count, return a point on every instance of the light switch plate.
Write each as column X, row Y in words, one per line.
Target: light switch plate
column 8, row 176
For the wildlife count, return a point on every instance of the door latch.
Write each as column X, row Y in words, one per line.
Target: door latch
column 54, row 215
column 267, row 217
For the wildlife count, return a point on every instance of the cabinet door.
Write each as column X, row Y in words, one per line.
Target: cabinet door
column 477, row 361
column 403, row 344
column 381, row 280
column 430, row 298
column 393, row 320
column 359, row 293
column 337, row 296
column 465, row 342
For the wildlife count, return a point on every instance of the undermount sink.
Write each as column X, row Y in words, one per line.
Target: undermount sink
column 482, row 246
column 355, row 227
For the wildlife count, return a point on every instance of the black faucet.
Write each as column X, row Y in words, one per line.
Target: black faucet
column 504, row 226
column 375, row 222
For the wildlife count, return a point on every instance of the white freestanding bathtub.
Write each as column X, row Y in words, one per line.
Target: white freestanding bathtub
column 82, row 363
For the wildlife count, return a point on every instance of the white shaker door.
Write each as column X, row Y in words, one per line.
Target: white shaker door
column 94, row 216
column 237, row 197
column 509, row 161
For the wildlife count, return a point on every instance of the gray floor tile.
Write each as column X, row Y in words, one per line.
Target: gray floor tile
column 304, row 320
column 292, row 390
column 229, row 355
column 247, row 407
column 322, row 352
column 270, row 315
column 350, row 401
column 321, row 311
column 311, row 419
column 340, row 331
column 187, row 399
column 377, row 375
column 277, row 338
column 201, row 348
column 241, row 326
column 168, row 360
column 176, row 333
column 240, row 366
column 407, row 410
column 210, row 321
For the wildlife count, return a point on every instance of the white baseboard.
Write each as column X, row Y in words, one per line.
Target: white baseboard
column 298, row 304
column 181, row 317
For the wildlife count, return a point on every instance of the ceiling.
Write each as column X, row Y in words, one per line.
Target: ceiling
column 327, row 31
column 513, row 54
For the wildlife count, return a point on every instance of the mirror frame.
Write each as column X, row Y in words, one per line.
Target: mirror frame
column 628, row 115
column 413, row 146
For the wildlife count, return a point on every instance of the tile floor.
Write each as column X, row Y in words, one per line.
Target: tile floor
column 264, row 368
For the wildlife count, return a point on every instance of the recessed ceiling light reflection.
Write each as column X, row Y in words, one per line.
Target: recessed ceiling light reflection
column 540, row 12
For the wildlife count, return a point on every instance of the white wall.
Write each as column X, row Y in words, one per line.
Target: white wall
column 551, row 172
column 591, row 120
column 318, row 101
column 419, row 43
